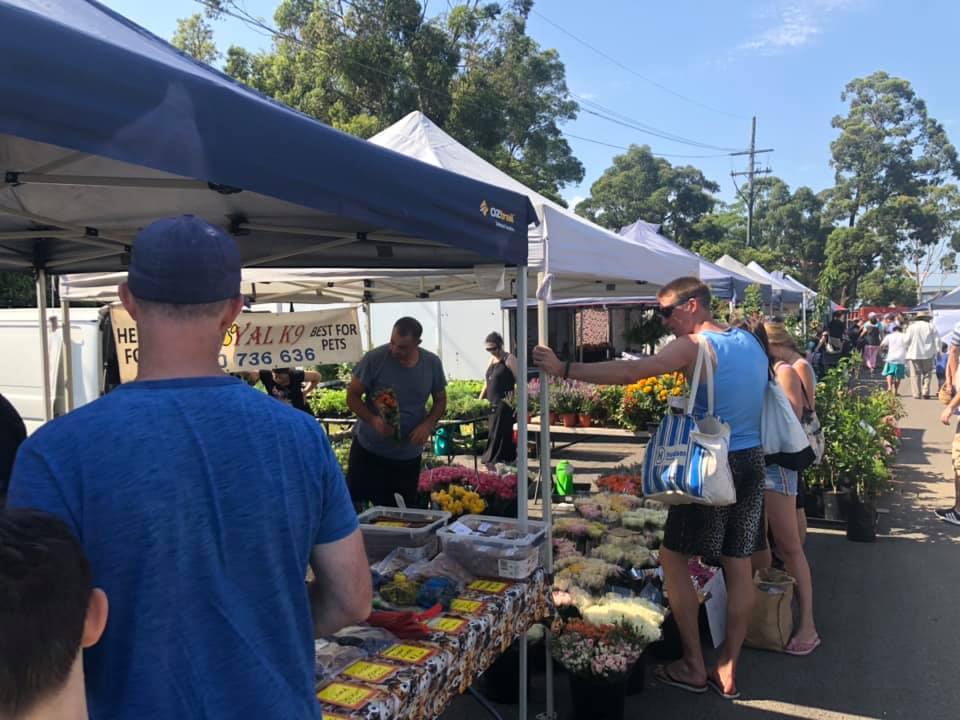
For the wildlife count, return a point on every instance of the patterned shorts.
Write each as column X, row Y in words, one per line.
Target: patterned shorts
column 734, row 531
column 955, row 453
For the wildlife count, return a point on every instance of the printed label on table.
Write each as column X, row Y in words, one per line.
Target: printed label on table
column 460, row 529
column 489, row 586
column 483, row 527
column 447, row 624
column 346, row 695
column 517, row 569
column 467, row 607
column 369, row 671
column 408, row 653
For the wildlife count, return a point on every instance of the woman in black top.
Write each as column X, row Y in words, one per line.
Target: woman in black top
column 500, row 382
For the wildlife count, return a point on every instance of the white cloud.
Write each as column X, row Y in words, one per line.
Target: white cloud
column 791, row 24
column 575, row 200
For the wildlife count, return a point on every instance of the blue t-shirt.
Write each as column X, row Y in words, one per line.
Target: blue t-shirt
column 197, row 502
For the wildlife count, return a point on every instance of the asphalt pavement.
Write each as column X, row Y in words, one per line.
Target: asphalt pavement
column 888, row 613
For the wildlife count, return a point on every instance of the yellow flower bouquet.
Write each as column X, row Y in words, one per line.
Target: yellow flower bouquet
column 645, row 402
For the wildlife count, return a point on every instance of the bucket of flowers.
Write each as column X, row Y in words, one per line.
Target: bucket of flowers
column 457, row 501
column 599, row 659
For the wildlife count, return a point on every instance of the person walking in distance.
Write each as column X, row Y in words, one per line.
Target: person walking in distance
column 733, row 532
column 922, row 343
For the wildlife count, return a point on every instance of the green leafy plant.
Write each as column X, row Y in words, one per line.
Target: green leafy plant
column 860, row 432
column 329, row 403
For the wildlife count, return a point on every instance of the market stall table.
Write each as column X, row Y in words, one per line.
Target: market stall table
column 414, row 679
column 573, row 435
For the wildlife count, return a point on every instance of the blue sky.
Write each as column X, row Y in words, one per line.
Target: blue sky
column 785, row 61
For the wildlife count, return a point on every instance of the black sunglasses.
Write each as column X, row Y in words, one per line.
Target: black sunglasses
column 664, row 312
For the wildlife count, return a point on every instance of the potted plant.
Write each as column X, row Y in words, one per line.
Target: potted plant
column 566, row 402
column 591, row 406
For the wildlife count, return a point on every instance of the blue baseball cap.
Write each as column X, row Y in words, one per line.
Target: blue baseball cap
column 184, row 261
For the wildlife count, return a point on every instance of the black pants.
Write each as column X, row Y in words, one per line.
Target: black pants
column 373, row 480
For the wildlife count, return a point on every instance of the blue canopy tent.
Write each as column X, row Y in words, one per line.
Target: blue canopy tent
column 90, row 154
column 725, row 284
column 105, row 127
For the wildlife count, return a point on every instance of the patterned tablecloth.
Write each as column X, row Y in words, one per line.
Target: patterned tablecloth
column 416, row 680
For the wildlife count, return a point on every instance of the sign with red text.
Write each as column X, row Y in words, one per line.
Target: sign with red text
column 262, row 341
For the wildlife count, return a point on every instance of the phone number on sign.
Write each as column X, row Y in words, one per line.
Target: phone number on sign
column 269, row 358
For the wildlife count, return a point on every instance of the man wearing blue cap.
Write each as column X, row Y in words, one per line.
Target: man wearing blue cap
column 198, row 530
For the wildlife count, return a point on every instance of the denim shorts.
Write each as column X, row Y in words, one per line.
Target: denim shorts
column 780, row 480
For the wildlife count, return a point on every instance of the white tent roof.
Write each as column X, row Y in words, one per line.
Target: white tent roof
column 564, row 244
column 738, row 267
column 775, row 282
column 793, row 283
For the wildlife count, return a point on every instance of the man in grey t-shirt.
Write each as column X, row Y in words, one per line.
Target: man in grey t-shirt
column 388, row 393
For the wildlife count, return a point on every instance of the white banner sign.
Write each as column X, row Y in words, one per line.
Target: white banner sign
column 262, row 341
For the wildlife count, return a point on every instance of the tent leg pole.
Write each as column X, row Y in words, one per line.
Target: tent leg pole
column 366, row 310
column 67, row 355
column 439, row 331
column 522, row 483
column 44, row 345
column 546, row 480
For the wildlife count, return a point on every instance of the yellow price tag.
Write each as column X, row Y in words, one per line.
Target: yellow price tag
column 346, row 695
column 407, row 653
column 333, row 716
column 447, row 624
column 468, row 607
column 369, row 671
column 489, row 586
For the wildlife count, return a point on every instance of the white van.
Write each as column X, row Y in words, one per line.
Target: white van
column 20, row 366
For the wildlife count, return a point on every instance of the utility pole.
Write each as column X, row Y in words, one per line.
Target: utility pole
column 751, row 173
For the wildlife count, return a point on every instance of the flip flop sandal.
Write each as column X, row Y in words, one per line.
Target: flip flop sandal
column 662, row 674
column 800, row 649
column 718, row 689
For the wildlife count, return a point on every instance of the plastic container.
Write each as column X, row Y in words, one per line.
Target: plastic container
column 386, row 528
column 472, row 541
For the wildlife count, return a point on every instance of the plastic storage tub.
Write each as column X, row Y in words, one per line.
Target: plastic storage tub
column 476, row 542
column 386, row 528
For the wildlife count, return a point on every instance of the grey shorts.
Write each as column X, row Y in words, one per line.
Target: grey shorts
column 734, row 531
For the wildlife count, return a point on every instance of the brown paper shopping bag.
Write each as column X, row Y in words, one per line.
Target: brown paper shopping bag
column 771, row 624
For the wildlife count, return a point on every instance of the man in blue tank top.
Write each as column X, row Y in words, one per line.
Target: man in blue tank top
column 732, row 533
column 200, row 503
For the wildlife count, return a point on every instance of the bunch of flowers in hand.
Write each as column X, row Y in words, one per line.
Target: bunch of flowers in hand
column 458, row 501
column 387, row 405
column 605, row 652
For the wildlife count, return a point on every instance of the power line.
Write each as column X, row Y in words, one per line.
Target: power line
column 630, row 70
column 623, row 147
column 590, row 108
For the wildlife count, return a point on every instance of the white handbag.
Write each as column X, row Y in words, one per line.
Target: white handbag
column 785, row 442
column 686, row 459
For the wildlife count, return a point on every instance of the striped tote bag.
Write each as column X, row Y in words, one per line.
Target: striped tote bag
column 686, row 459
